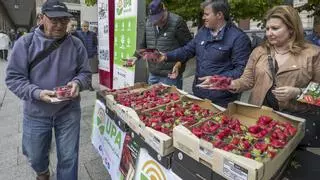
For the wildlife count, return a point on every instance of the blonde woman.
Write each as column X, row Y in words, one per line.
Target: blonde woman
column 279, row 69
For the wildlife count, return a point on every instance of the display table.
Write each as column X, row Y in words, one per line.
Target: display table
column 121, row 141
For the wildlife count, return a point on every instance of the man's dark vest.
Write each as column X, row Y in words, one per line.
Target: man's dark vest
column 164, row 40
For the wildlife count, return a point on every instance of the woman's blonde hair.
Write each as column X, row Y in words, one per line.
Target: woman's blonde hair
column 290, row 17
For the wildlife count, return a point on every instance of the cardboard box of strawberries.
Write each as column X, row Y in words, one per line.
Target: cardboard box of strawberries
column 245, row 141
column 311, row 94
column 152, row 112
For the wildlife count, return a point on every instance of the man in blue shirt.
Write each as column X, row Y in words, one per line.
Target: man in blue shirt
column 220, row 49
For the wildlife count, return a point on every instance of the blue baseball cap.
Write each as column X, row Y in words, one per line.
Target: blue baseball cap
column 54, row 8
column 156, row 10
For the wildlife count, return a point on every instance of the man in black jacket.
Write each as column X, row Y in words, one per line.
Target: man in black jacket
column 165, row 31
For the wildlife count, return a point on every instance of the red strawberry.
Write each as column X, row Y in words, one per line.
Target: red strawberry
column 235, row 141
column 248, row 155
column 292, row 131
column 217, row 143
column 277, row 143
column 308, row 99
column 178, row 113
column 245, row 144
column 229, row 147
column 254, row 129
column 264, row 120
column 175, row 96
column 261, row 146
column 271, row 154
column 197, row 131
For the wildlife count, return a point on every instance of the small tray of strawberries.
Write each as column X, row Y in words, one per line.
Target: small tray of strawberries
column 218, row 82
column 63, row 92
column 149, row 53
column 311, row 94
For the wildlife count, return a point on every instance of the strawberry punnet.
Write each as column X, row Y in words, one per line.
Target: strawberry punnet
column 220, row 82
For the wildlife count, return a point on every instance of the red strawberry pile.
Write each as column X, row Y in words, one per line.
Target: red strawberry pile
column 312, row 96
column 157, row 95
column 261, row 141
column 166, row 118
column 220, row 82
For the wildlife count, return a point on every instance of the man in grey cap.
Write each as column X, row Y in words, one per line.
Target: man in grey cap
column 40, row 61
column 165, row 31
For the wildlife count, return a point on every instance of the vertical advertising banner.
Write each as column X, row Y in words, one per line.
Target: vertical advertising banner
column 105, row 41
column 125, row 39
column 103, row 35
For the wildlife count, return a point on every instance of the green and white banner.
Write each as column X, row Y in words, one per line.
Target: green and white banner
column 108, row 139
column 125, row 40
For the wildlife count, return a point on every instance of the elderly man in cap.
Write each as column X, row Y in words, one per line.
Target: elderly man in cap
column 165, row 31
column 41, row 61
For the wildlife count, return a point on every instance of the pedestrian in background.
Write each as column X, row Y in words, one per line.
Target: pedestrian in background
column 41, row 61
column 165, row 31
column 220, row 48
column 255, row 40
column 72, row 28
column 90, row 41
column 12, row 36
column 4, row 45
column 314, row 37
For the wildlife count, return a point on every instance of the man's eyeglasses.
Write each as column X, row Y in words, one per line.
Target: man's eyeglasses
column 56, row 20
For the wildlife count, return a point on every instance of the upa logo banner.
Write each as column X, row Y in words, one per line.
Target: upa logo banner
column 113, row 145
column 150, row 169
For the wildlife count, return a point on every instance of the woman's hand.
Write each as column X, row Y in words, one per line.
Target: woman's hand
column 232, row 89
column 286, row 93
column 175, row 70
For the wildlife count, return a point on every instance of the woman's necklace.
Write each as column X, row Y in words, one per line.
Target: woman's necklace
column 281, row 52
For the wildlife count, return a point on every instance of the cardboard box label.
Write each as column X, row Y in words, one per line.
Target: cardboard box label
column 153, row 142
column 205, row 152
column 234, row 171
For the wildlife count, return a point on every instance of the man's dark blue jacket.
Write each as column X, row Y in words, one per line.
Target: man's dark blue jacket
column 226, row 54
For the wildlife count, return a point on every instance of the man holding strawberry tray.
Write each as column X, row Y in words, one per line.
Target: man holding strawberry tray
column 220, row 49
